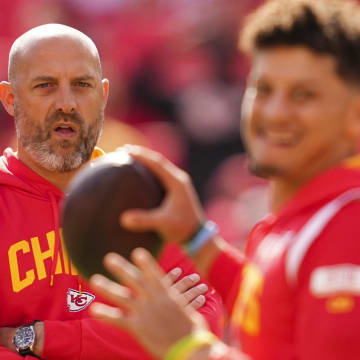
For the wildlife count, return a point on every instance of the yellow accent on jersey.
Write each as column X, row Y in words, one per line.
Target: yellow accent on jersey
column 97, row 153
column 247, row 311
column 340, row 304
column 17, row 283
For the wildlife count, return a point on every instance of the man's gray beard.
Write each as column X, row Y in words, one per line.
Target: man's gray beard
column 43, row 155
column 46, row 155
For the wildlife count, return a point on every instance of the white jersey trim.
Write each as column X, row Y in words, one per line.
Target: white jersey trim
column 311, row 230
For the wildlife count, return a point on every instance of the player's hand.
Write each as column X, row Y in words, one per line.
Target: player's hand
column 180, row 214
column 191, row 293
column 151, row 310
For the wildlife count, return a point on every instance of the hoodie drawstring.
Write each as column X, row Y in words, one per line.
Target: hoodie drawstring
column 55, row 212
column 57, row 245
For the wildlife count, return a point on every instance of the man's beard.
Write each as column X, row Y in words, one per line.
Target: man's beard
column 263, row 171
column 35, row 139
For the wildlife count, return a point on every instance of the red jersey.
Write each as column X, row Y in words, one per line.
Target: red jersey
column 295, row 293
column 37, row 280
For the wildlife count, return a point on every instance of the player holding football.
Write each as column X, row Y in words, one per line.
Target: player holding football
column 294, row 293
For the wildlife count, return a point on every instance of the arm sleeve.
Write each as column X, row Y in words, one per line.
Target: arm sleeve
column 213, row 310
column 6, row 354
column 88, row 339
column 225, row 275
column 328, row 302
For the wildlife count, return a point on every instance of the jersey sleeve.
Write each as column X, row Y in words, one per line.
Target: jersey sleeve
column 213, row 310
column 88, row 339
column 225, row 275
column 328, row 295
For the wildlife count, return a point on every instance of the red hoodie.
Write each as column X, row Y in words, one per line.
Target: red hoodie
column 295, row 294
column 38, row 281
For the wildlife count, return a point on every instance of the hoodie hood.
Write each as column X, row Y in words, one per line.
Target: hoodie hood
column 16, row 174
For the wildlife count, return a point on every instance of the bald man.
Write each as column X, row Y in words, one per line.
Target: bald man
column 57, row 96
column 41, row 61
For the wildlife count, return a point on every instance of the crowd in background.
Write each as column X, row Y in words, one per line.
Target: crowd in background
column 176, row 85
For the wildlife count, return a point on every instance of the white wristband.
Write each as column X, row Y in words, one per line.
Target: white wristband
column 205, row 233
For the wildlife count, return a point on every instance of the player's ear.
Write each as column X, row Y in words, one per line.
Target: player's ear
column 105, row 85
column 7, row 97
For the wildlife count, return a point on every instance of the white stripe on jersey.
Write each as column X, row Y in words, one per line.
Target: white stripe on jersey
column 311, row 230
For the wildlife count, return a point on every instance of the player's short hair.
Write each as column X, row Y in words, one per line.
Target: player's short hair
column 329, row 27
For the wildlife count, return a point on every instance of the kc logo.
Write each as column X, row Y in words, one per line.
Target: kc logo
column 77, row 301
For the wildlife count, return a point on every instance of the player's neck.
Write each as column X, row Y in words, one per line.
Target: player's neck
column 280, row 193
column 60, row 179
column 283, row 188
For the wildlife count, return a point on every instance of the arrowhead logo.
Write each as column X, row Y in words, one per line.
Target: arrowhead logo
column 76, row 301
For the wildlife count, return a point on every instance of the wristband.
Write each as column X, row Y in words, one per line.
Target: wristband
column 207, row 231
column 187, row 345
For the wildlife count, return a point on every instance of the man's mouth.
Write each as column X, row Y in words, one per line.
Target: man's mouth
column 279, row 138
column 65, row 130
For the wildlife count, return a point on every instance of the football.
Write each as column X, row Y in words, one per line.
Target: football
column 96, row 198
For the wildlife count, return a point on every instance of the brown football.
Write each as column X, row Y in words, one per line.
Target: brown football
column 97, row 196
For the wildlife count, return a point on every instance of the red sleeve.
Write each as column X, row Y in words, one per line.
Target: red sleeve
column 225, row 275
column 328, row 299
column 213, row 310
column 6, row 354
column 88, row 339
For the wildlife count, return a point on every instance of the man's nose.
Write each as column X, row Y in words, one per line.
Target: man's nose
column 277, row 109
column 65, row 100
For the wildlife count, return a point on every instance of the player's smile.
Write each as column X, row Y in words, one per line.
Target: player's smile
column 278, row 138
column 290, row 118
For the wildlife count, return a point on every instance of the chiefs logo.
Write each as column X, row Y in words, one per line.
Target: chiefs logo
column 77, row 301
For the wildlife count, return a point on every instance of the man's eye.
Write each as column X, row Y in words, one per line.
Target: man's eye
column 82, row 84
column 43, row 85
column 302, row 95
column 263, row 90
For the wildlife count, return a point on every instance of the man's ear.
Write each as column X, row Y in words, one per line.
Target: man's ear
column 105, row 85
column 7, row 97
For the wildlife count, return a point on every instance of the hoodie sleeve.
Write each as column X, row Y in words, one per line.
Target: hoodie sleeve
column 6, row 354
column 88, row 339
